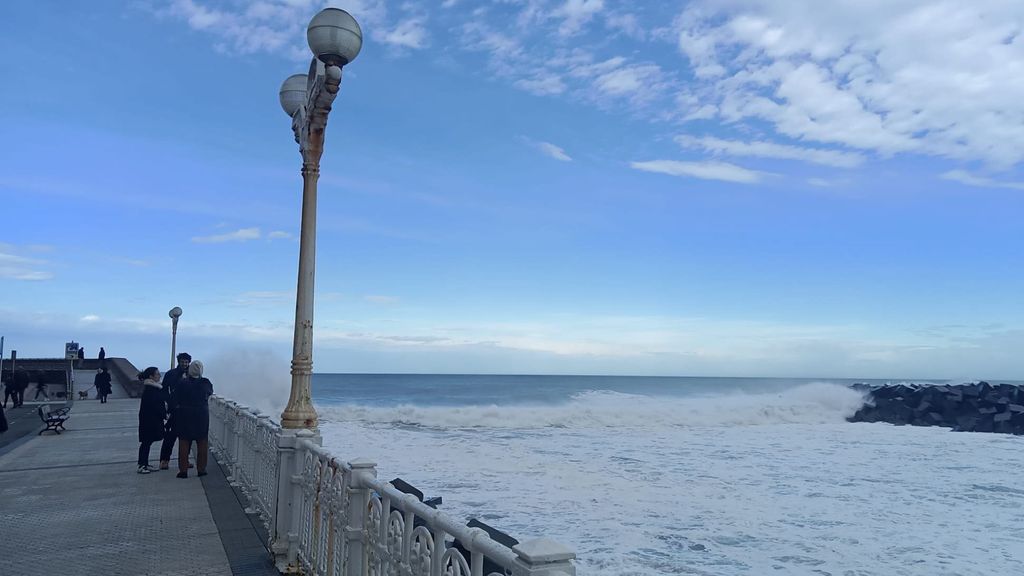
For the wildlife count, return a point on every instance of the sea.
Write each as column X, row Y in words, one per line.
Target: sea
column 706, row 476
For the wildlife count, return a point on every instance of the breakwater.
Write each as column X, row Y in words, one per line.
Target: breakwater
column 980, row 407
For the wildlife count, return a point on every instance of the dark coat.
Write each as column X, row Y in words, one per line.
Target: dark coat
column 193, row 411
column 151, row 414
column 102, row 383
column 103, row 354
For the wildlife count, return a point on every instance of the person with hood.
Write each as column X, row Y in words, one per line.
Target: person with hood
column 152, row 412
column 102, row 384
column 171, row 380
column 193, row 415
column 103, row 357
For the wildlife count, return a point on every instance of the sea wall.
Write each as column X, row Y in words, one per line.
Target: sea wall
column 980, row 407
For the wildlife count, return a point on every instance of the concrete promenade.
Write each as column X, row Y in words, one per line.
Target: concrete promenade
column 74, row 504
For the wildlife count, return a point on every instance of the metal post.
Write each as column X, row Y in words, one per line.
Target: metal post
column 174, row 339
column 358, row 503
column 300, row 412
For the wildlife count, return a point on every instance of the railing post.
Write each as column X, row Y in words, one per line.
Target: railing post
column 358, row 507
column 544, row 557
column 287, row 523
column 239, row 445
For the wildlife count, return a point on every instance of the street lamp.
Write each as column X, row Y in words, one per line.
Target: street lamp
column 174, row 313
column 335, row 39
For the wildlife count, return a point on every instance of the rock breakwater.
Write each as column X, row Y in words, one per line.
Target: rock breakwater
column 980, row 407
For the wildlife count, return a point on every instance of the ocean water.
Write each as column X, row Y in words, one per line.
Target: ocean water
column 706, row 476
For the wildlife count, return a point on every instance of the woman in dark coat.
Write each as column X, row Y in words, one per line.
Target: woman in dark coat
column 193, row 418
column 102, row 384
column 151, row 415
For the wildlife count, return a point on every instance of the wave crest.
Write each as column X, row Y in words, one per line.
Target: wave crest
column 818, row 403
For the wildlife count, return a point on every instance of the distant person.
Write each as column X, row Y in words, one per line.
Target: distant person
column 103, row 357
column 11, row 390
column 3, row 420
column 81, row 356
column 102, row 384
column 171, row 380
column 41, row 387
column 21, row 384
column 152, row 412
column 193, row 417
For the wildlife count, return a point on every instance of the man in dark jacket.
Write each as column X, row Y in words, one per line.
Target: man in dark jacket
column 21, row 379
column 171, row 379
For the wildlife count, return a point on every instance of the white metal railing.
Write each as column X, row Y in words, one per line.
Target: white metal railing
column 335, row 518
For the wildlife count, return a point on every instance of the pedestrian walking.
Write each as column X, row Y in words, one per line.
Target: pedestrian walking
column 152, row 412
column 103, row 357
column 172, row 378
column 81, row 356
column 193, row 416
column 102, row 384
column 41, row 386
column 11, row 390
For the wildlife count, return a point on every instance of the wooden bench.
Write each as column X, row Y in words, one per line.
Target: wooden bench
column 54, row 420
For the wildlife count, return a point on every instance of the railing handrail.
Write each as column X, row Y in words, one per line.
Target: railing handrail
column 331, row 516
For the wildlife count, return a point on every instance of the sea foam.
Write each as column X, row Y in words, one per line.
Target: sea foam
column 815, row 403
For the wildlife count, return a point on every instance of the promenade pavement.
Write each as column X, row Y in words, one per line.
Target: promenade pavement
column 74, row 504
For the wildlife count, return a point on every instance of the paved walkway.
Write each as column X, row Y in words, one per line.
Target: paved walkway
column 73, row 504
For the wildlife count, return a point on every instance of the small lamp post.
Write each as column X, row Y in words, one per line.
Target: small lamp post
column 174, row 313
column 335, row 39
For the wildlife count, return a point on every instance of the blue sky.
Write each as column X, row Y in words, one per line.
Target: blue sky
column 527, row 186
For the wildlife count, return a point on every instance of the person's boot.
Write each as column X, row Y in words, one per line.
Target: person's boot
column 165, row 464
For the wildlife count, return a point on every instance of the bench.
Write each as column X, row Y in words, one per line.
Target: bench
column 54, row 420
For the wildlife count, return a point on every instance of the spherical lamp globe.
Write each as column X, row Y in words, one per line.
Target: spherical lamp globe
column 334, row 37
column 174, row 312
column 293, row 93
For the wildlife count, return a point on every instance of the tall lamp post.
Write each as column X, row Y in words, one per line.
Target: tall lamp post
column 335, row 39
column 174, row 313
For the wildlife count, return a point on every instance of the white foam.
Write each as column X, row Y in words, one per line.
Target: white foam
column 816, row 403
column 767, row 484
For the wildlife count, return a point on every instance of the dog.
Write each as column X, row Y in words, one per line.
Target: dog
column 83, row 395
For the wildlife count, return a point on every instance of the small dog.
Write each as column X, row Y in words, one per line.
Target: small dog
column 83, row 395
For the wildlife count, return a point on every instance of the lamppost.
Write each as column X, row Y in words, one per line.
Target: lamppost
column 174, row 313
column 335, row 38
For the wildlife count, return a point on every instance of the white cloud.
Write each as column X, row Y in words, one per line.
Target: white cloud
column 241, row 235
column 576, row 13
column 972, row 180
column 409, row 33
column 276, row 25
column 553, row 151
column 627, row 24
column 703, row 170
column 764, row 149
column 938, row 78
column 279, row 235
column 15, row 267
column 90, row 318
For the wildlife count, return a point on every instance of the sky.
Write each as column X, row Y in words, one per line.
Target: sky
column 721, row 187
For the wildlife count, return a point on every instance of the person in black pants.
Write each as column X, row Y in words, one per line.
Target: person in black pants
column 171, row 380
column 193, row 416
column 152, row 412
column 102, row 384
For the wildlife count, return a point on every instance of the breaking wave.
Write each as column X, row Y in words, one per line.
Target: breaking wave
column 817, row 403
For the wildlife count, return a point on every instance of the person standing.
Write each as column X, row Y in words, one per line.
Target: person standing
column 81, row 356
column 103, row 357
column 21, row 381
column 171, row 380
column 102, row 384
column 152, row 412
column 193, row 416
column 11, row 390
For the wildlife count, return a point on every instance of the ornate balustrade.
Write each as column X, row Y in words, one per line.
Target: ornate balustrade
column 335, row 518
